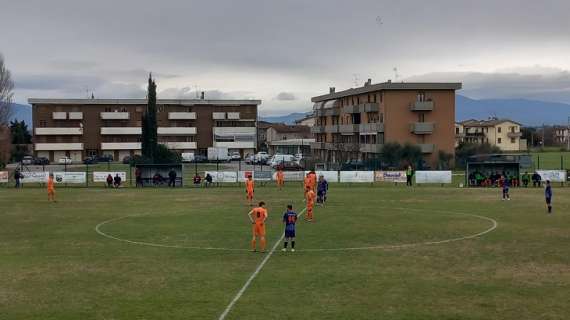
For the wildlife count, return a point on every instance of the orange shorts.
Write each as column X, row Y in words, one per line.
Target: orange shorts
column 51, row 192
column 259, row 230
column 250, row 194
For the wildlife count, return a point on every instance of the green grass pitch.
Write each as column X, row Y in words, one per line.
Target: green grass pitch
column 54, row 265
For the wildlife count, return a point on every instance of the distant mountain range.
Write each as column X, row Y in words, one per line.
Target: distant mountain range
column 527, row 112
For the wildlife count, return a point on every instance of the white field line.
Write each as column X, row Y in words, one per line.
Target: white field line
column 253, row 275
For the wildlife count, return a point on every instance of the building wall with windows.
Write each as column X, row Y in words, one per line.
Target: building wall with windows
column 78, row 128
column 354, row 124
column 503, row 133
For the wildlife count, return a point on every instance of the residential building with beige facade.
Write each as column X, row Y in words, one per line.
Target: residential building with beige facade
column 354, row 124
column 503, row 133
column 78, row 128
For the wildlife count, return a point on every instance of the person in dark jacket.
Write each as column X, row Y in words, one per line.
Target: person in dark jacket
column 117, row 181
column 172, row 178
column 209, row 180
column 109, row 181
column 17, row 177
column 322, row 188
column 138, row 178
column 548, row 196
column 536, row 179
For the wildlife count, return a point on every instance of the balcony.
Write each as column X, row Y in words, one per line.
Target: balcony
column 115, row 116
column 59, row 131
column 332, row 129
column 121, row 131
column 427, row 147
column 182, row 116
column 371, row 128
column 176, row 131
column 349, row 128
column 59, row 115
column 318, row 129
column 180, row 145
column 371, row 148
column 514, row 134
column 370, row 107
column 351, row 109
column 236, row 144
column 58, row 146
column 422, row 106
column 422, row 127
column 75, row 115
column 120, row 146
column 231, row 131
column 317, row 145
column 347, row 146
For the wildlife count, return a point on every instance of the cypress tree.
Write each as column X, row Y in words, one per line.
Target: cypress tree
column 149, row 126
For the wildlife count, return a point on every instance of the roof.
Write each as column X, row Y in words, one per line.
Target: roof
column 184, row 102
column 390, row 86
column 485, row 123
column 284, row 128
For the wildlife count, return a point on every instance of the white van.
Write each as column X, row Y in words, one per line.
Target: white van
column 187, row 156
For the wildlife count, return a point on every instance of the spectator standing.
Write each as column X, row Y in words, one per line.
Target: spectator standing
column 525, row 179
column 172, row 178
column 17, row 177
column 197, row 180
column 409, row 175
column 138, row 177
column 208, row 179
column 536, row 179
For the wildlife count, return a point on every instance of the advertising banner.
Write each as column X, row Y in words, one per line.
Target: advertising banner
column 262, row 175
column 552, row 175
column 390, row 176
column 330, row 176
column 101, row 176
column 433, row 176
column 35, row 176
column 290, row 175
column 70, row 177
column 357, row 176
column 4, row 176
column 223, row 176
column 244, row 174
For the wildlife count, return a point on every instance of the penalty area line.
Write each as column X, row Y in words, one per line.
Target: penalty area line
column 253, row 275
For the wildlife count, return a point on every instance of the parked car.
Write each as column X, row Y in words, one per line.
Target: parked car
column 235, row 156
column 249, row 158
column 289, row 166
column 282, row 158
column 187, row 156
column 105, row 158
column 41, row 161
column 90, row 160
column 127, row 160
column 261, row 157
column 28, row 160
column 65, row 160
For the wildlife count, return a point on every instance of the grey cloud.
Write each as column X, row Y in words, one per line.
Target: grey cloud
column 286, row 96
column 54, row 81
column 550, row 85
column 187, row 93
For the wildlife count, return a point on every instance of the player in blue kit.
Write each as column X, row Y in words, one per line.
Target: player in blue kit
column 548, row 196
column 289, row 219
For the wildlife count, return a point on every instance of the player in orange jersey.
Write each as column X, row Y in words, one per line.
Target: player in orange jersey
column 258, row 216
column 313, row 176
column 249, row 189
column 306, row 185
column 280, row 179
column 51, row 188
column 310, row 204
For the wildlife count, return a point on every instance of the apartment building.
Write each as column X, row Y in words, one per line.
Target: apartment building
column 503, row 133
column 289, row 139
column 560, row 135
column 354, row 124
column 78, row 128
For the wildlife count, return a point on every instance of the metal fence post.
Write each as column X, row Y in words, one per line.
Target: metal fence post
column 87, row 175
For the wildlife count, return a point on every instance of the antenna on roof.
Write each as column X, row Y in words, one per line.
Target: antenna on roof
column 92, row 95
column 396, row 75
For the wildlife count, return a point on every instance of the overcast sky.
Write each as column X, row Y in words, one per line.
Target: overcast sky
column 284, row 52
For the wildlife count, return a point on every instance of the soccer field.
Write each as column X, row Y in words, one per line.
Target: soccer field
column 373, row 253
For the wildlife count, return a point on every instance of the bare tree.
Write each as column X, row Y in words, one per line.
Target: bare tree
column 6, row 94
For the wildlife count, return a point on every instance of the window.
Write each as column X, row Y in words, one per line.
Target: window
column 421, row 96
column 43, row 123
column 513, row 140
column 421, row 117
column 499, row 131
column 499, row 141
column 381, row 117
column 456, row 130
